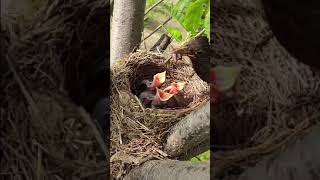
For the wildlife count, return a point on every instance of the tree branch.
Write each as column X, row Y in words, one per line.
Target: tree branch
column 196, row 150
column 193, row 130
column 169, row 169
column 300, row 160
column 161, row 44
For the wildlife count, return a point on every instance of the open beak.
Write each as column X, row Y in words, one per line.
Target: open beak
column 158, row 80
column 175, row 88
column 223, row 78
column 162, row 95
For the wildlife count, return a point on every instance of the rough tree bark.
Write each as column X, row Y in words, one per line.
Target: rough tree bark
column 196, row 150
column 300, row 160
column 191, row 131
column 170, row 170
column 127, row 27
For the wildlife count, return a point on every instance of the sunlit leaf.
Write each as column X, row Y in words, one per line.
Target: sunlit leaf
column 179, row 10
column 175, row 33
column 194, row 13
column 207, row 24
column 202, row 157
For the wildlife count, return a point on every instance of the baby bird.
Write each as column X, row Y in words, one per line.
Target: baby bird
column 154, row 97
column 161, row 98
column 222, row 81
column 148, row 94
column 146, row 97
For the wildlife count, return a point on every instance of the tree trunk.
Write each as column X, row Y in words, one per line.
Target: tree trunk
column 193, row 130
column 127, row 27
column 300, row 160
column 170, row 170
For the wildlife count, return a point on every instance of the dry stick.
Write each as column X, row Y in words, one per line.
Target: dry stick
column 191, row 131
column 139, row 102
column 153, row 6
column 154, row 47
column 154, row 31
column 23, row 88
column 96, row 132
column 162, row 43
column 39, row 164
column 144, row 42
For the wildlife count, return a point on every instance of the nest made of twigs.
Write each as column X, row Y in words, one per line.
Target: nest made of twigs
column 137, row 132
column 276, row 98
column 44, row 134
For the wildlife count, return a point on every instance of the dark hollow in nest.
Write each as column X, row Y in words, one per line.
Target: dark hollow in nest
column 147, row 70
column 240, row 127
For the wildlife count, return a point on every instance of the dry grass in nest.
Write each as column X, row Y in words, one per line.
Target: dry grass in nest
column 276, row 101
column 44, row 135
column 137, row 133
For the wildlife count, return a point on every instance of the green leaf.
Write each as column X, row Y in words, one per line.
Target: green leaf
column 202, row 157
column 207, row 24
column 175, row 33
column 178, row 11
column 194, row 13
column 150, row 3
column 191, row 15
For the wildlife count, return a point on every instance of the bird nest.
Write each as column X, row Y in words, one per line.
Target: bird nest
column 276, row 98
column 44, row 134
column 137, row 132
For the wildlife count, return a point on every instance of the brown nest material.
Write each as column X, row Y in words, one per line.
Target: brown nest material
column 276, row 98
column 138, row 133
column 44, row 134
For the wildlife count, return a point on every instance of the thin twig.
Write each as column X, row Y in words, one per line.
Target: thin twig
column 39, row 164
column 96, row 132
column 144, row 42
column 116, row 87
column 201, row 32
column 23, row 88
column 153, row 6
column 139, row 103
column 154, row 31
column 161, row 44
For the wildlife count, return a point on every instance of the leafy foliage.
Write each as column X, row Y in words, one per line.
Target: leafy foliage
column 202, row 157
column 193, row 16
column 174, row 33
column 207, row 24
column 150, row 3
